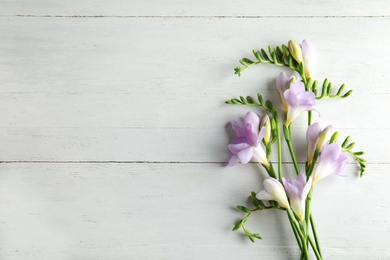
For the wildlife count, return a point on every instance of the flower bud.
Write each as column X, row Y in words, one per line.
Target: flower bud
column 267, row 124
column 324, row 137
column 295, row 51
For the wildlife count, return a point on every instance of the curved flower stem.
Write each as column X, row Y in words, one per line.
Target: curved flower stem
column 287, row 136
column 298, row 233
column 317, row 242
column 307, row 214
column 276, row 116
column 315, row 249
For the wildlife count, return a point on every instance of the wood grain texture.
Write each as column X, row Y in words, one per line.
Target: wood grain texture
column 166, row 211
column 180, row 8
column 114, row 130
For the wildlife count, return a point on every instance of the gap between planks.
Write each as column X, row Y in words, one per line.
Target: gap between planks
column 197, row 16
column 154, row 162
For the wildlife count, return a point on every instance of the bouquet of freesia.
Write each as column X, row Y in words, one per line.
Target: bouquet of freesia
column 257, row 135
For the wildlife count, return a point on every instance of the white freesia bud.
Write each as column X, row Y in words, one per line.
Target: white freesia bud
column 324, row 137
column 295, row 51
column 274, row 190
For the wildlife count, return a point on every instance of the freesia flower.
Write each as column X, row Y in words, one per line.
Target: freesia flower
column 316, row 139
column 330, row 161
column 283, row 82
column 273, row 190
column 302, row 53
column 297, row 190
column 308, row 57
column 298, row 101
column 247, row 144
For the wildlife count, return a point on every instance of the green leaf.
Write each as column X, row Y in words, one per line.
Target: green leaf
column 244, row 209
column 250, row 100
column 248, row 61
column 256, row 202
column 350, row 146
column 334, row 137
column 238, row 225
column 256, row 235
column 346, row 141
column 279, row 54
column 347, row 94
column 257, row 55
column 264, row 54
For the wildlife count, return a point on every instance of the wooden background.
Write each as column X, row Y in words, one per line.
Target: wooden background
column 114, row 131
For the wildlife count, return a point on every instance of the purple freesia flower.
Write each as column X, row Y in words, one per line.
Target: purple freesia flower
column 273, row 190
column 297, row 190
column 316, row 139
column 247, row 144
column 282, row 84
column 330, row 161
column 308, row 57
column 298, row 101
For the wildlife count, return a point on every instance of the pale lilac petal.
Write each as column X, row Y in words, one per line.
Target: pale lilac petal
column 290, row 187
column 312, row 134
column 262, row 132
column 330, row 152
column 233, row 160
column 307, row 187
column 282, row 82
column 308, row 57
column 239, row 140
column 251, row 135
column 298, row 101
column 253, row 119
column 297, row 190
column 307, row 50
column 330, row 161
column 340, row 165
column 245, row 155
column 239, row 126
column 236, row 148
column 248, row 137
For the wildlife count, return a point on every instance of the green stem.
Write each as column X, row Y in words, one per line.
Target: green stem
column 313, row 228
column 279, row 145
column 294, row 228
column 302, row 236
column 271, row 171
column 309, row 117
column 288, row 139
column 315, row 249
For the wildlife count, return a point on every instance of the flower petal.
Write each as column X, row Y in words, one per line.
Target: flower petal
column 233, row 160
column 245, row 155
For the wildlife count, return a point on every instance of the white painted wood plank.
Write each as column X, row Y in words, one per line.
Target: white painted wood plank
column 197, row 8
column 117, row 56
column 74, row 88
column 154, row 145
column 166, row 211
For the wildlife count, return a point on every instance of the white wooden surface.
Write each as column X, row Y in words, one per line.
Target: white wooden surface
column 114, row 131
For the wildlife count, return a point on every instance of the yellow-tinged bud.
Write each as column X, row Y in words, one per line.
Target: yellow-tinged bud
column 266, row 122
column 292, row 80
column 324, row 137
column 295, row 51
